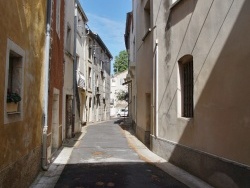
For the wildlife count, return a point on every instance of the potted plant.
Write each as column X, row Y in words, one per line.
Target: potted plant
column 12, row 101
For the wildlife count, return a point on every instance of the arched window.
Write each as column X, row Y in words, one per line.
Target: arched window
column 186, row 79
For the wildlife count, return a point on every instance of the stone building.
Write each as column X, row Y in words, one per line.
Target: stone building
column 98, row 60
column 196, row 56
column 81, row 68
column 55, row 82
column 74, row 69
column 22, row 56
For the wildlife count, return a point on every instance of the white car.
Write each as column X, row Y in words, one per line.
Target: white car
column 122, row 113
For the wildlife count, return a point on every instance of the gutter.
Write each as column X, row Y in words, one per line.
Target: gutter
column 156, row 88
column 46, row 87
column 74, row 73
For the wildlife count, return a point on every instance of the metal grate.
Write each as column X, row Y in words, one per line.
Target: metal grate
column 188, row 87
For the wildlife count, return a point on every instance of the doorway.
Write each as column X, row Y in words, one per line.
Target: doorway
column 68, row 116
column 55, row 122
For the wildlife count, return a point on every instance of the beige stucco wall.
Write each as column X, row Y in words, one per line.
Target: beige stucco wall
column 215, row 34
column 144, row 69
column 81, row 68
column 68, row 59
column 23, row 22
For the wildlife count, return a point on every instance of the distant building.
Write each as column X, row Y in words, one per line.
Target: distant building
column 97, row 60
column 117, row 86
column 81, row 69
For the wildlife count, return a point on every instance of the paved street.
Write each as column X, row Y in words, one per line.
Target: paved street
column 103, row 158
column 105, row 155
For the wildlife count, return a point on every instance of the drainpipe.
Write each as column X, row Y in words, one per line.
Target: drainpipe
column 156, row 87
column 46, row 87
column 74, row 73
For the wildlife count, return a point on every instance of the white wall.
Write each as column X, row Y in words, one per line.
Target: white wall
column 116, row 85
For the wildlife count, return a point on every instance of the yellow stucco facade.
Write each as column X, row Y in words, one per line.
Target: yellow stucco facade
column 22, row 37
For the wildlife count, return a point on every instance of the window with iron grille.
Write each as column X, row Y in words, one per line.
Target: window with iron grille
column 187, row 88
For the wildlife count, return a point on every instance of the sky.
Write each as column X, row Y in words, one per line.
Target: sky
column 107, row 18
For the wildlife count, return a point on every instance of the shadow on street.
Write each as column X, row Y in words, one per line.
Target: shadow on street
column 104, row 158
column 121, row 175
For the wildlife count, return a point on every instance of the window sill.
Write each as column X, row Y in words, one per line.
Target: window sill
column 185, row 119
column 175, row 4
column 13, row 113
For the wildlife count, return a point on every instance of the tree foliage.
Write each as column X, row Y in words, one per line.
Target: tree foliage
column 121, row 62
column 122, row 95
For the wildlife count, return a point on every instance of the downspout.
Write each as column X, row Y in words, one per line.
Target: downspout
column 46, row 86
column 74, row 73
column 128, row 89
column 156, row 87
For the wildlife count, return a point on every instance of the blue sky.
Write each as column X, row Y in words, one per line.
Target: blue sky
column 107, row 18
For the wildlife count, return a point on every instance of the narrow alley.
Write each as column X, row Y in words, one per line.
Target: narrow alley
column 128, row 93
column 105, row 156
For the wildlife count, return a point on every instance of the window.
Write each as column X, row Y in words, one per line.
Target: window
column 104, row 85
column 77, row 62
column 89, row 78
column 90, row 50
column 186, row 85
column 90, row 101
column 68, row 39
column 58, row 7
column 97, row 81
column 14, row 81
column 101, row 63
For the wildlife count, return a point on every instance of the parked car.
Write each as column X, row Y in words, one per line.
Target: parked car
column 122, row 112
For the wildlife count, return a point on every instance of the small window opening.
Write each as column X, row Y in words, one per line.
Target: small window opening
column 187, row 86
